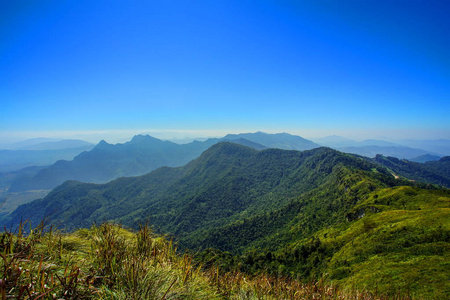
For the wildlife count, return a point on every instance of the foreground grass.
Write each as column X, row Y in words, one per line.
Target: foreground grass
column 109, row 262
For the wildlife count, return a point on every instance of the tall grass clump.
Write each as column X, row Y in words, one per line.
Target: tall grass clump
column 32, row 266
column 144, row 266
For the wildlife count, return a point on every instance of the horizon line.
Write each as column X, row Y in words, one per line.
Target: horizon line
column 122, row 135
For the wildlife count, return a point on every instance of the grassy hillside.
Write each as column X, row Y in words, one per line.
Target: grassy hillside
column 322, row 206
column 396, row 241
column 403, row 248
column 109, row 262
column 400, row 243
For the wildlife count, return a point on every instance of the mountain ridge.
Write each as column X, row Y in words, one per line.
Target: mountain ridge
column 232, row 167
column 138, row 156
column 434, row 172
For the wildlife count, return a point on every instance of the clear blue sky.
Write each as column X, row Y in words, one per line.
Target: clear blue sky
column 294, row 66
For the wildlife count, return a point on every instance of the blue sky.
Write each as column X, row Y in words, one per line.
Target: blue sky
column 354, row 68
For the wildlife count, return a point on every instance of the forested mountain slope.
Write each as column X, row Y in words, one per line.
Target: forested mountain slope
column 314, row 214
column 436, row 172
column 228, row 182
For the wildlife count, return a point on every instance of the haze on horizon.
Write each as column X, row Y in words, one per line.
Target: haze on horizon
column 359, row 69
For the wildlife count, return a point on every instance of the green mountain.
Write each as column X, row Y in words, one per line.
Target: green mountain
column 395, row 241
column 227, row 182
column 316, row 214
column 435, row 172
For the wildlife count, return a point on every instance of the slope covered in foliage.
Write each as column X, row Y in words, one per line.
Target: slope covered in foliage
column 396, row 241
column 227, row 183
column 317, row 214
column 435, row 172
column 110, row 262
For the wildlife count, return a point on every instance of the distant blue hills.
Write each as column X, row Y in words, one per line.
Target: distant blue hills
column 414, row 150
column 141, row 155
column 144, row 153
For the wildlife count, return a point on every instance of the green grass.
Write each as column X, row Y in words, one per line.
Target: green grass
column 110, row 262
column 403, row 247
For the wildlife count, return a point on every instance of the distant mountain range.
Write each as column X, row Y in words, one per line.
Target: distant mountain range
column 47, row 144
column 401, row 152
column 279, row 140
column 39, row 152
column 441, row 146
column 141, row 155
column 415, row 150
column 425, row 158
column 106, row 162
column 12, row 160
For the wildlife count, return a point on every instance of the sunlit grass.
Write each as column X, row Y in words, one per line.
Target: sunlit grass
column 110, row 262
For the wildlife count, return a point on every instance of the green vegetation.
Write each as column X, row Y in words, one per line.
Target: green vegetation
column 435, row 172
column 104, row 262
column 401, row 244
column 397, row 242
column 228, row 181
column 109, row 262
column 311, row 216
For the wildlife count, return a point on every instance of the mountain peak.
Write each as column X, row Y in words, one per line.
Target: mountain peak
column 142, row 137
column 102, row 143
column 230, row 148
column 279, row 140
